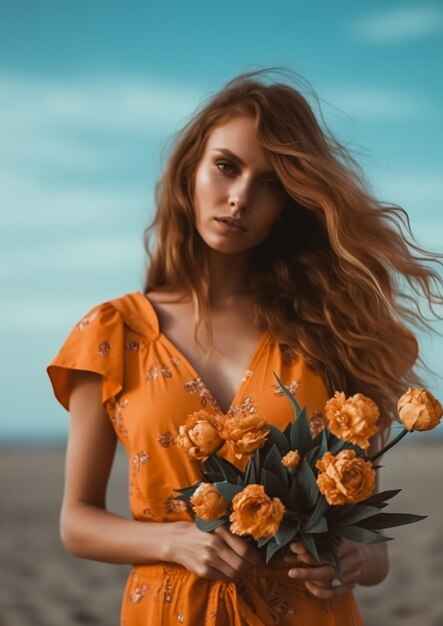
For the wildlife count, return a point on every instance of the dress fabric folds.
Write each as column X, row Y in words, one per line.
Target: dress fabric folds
column 149, row 388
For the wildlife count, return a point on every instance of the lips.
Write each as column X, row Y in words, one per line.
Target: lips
column 231, row 223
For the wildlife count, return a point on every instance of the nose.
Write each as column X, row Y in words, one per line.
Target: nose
column 239, row 196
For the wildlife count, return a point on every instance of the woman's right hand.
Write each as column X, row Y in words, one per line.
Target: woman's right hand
column 218, row 555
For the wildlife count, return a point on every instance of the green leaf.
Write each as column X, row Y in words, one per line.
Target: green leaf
column 312, row 455
column 335, row 444
column 208, row 526
column 307, row 484
column 273, row 464
column 319, row 447
column 263, row 541
column 211, row 467
column 328, row 556
column 390, row 520
column 228, row 490
column 318, row 438
column 355, row 533
column 294, row 496
column 301, row 438
column 323, row 448
column 321, row 508
column 251, row 473
column 320, row 526
column 378, row 498
column 212, row 477
column 274, row 487
column 278, row 438
column 286, row 532
column 309, row 542
column 347, row 515
column 287, row 432
column 288, row 394
column 228, row 470
column 187, row 492
column 271, row 549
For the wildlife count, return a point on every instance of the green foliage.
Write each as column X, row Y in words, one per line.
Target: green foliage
column 308, row 517
column 228, row 490
column 212, row 525
column 273, row 464
column 389, row 520
column 363, row 535
column 307, row 485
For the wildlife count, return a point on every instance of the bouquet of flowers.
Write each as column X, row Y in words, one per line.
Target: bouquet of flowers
column 296, row 486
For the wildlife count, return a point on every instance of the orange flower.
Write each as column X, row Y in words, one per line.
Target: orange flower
column 254, row 513
column 317, row 423
column 200, row 436
column 345, row 478
column 353, row 419
column 291, row 459
column 208, row 503
column 419, row 410
column 244, row 433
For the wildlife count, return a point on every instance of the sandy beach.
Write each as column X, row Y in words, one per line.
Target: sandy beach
column 44, row 586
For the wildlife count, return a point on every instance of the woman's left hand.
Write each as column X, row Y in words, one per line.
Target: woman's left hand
column 320, row 579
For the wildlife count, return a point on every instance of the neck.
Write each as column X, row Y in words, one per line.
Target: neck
column 229, row 277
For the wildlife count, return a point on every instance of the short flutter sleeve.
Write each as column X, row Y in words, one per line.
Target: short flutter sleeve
column 95, row 344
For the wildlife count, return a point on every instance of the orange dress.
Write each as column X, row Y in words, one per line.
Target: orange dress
column 149, row 388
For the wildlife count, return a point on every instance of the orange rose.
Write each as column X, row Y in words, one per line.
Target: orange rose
column 244, row 433
column 353, row 419
column 207, row 503
column 291, row 460
column 200, row 436
column 419, row 410
column 254, row 513
column 345, row 478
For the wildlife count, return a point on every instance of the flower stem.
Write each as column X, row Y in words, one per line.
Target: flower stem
column 388, row 445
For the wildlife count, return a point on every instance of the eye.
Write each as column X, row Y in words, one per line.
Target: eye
column 225, row 166
column 273, row 184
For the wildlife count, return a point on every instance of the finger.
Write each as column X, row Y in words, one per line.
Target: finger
column 327, row 593
column 302, row 553
column 224, row 564
column 240, row 547
column 213, row 573
column 320, row 573
column 294, row 561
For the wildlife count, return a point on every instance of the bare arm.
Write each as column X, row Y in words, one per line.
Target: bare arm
column 90, row 531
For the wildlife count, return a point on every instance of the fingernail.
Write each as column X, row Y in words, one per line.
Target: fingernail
column 293, row 573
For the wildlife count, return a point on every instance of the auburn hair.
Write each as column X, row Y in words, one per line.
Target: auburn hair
column 339, row 280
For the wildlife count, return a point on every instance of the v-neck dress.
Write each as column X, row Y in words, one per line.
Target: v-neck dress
column 148, row 390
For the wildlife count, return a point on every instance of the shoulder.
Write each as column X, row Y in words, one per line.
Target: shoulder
column 131, row 310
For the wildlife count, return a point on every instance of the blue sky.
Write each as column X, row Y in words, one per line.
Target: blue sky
column 90, row 92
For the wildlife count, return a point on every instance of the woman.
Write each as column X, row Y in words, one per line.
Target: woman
column 270, row 256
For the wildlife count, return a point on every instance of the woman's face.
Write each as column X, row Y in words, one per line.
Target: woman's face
column 237, row 195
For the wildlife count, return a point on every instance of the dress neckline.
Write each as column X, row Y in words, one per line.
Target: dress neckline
column 240, row 388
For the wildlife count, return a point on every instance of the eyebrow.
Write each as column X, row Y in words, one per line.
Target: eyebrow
column 236, row 158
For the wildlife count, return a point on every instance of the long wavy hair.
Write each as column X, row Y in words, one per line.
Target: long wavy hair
column 340, row 280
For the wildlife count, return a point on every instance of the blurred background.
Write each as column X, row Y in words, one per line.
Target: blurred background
column 90, row 94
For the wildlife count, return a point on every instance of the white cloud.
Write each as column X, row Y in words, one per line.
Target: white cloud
column 421, row 195
column 94, row 254
column 49, row 313
column 114, row 105
column 399, row 24
column 78, row 125
column 373, row 102
column 41, row 207
column 418, row 192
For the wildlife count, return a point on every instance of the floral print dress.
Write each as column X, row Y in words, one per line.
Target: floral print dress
column 149, row 388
